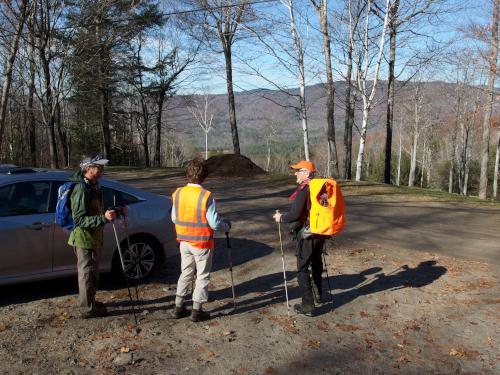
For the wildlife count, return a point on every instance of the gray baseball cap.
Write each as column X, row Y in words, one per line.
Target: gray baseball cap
column 91, row 161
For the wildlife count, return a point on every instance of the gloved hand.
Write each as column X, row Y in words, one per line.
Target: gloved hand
column 227, row 222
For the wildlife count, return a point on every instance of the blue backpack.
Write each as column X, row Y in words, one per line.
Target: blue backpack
column 63, row 206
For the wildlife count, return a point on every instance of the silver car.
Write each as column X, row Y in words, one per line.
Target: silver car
column 34, row 247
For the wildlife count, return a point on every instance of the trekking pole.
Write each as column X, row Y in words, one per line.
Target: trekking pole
column 123, row 269
column 327, row 276
column 139, row 304
column 230, row 258
column 284, row 272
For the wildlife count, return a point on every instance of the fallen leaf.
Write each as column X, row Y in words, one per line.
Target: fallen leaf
column 403, row 359
column 456, row 353
column 124, row 349
column 227, row 333
column 316, row 344
column 269, row 370
column 322, row 325
column 3, row 327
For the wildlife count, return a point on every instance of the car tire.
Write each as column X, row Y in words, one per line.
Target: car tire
column 140, row 260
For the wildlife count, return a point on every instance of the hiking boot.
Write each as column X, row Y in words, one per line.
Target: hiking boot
column 180, row 312
column 100, row 309
column 96, row 313
column 199, row 315
column 304, row 310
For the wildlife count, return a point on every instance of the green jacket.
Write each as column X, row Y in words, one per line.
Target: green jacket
column 88, row 214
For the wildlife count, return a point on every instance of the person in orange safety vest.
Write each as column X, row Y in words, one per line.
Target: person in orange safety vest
column 195, row 218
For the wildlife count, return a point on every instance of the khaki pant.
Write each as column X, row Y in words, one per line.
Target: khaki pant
column 88, row 277
column 199, row 261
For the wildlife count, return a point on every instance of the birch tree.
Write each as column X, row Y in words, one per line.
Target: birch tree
column 497, row 161
column 284, row 42
column 492, row 72
column 203, row 115
column 301, row 77
column 364, row 70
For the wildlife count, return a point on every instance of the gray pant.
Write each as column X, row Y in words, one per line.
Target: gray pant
column 88, row 277
column 199, row 261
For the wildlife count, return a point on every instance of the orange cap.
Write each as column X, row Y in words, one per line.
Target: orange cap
column 304, row 164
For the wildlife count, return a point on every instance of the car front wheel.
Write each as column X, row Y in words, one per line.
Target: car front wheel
column 140, row 259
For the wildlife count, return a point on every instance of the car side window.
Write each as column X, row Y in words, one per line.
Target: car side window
column 112, row 197
column 25, row 198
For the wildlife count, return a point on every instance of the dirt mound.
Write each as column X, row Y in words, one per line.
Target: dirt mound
column 232, row 165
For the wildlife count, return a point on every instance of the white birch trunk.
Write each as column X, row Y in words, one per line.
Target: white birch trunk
column 495, row 173
column 399, row 157
column 423, row 164
column 206, row 145
column 413, row 164
column 362, row 141
column 299, row 51
column 362, row 80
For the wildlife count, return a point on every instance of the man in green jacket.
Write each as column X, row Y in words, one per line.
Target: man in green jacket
column 87, row 237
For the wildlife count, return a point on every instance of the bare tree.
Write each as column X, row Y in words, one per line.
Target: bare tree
column 301, row 77
column 483, row 179
column 53, row 68
column 355, row 10
column 400, row 13
column 497, row 160
column 203, row 116
column 166, row 76
column 363, row 69
column 20, row 15
column 321, row 7
column 220, row 20
column 283, row 40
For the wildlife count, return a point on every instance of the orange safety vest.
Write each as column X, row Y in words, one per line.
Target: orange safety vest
column 191, row 225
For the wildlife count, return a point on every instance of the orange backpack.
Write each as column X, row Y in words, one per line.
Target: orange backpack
column 327, row 214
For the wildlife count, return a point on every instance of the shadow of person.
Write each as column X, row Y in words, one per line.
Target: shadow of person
column 348, row 281
column 424, row 274
column 262, row 291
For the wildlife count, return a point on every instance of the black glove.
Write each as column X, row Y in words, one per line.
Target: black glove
column 227, row 222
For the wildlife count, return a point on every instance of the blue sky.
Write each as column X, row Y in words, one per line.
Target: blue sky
column 442, row 34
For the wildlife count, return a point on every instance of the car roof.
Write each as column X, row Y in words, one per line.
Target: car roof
column 63, row 175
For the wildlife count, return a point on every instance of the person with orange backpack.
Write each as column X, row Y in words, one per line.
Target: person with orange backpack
column 317, row 212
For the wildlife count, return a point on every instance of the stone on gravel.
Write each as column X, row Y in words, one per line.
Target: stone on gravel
column 124, row 359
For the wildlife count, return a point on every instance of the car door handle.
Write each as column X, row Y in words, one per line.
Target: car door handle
column 38, row 225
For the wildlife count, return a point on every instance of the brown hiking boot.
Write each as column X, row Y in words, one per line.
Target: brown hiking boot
column 199, row 315
column 96, row 313
column 180, row 312
column 304, row 310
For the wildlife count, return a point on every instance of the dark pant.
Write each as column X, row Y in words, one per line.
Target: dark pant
column 309, row 254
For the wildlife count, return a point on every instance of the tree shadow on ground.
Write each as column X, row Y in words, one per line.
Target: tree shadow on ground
column 269, row 289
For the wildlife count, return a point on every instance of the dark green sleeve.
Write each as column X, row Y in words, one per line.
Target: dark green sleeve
column 79, row 210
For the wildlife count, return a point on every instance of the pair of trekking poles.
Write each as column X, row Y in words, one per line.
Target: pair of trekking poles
column 137, row 300
column 284, row 272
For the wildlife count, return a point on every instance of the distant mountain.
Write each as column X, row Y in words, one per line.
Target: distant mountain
column 257, row 109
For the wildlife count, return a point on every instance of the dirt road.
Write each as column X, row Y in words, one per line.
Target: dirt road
column 395, row 309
